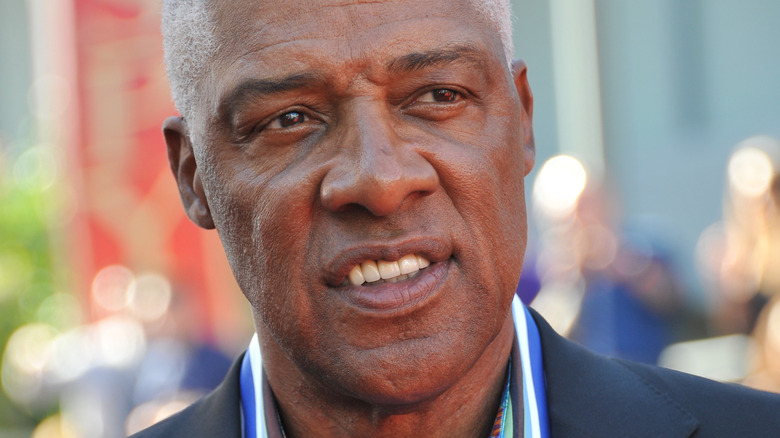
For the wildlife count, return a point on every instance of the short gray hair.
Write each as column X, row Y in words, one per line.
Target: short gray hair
column 190, row 43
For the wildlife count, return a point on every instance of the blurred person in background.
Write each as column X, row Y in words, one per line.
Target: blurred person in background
column 329, row 145
column 746, row 267
column 739, row 265
column 625, row 292
column 630, row 306
column 750, row 276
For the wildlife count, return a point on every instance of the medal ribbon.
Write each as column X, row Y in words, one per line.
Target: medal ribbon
column 535, row 419
column 252, row 392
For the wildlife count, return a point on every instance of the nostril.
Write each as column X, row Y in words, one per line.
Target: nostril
column 380, row 197
column 380, row 180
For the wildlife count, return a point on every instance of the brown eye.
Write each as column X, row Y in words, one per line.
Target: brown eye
column 444, row 95
column 438, row 104
column 440, row 95
column 289, row 119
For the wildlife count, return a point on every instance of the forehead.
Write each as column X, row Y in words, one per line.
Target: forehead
column 269, row 22
column 270, row 38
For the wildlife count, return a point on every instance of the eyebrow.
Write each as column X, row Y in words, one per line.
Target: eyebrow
column 254, row 89
column 437, row 57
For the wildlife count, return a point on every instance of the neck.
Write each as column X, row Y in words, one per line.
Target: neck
column 465, row 409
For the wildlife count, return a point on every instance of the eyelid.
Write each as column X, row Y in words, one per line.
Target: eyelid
column 420, row 98
column 278, row 118
column 308, row 115
column 249, row 130
column 462, row 93
column 419, row 107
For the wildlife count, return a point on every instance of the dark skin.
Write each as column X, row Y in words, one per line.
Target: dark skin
column 350, row 131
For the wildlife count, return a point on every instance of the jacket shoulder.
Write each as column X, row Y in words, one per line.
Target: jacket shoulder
column 593, row 395
column 722, row 409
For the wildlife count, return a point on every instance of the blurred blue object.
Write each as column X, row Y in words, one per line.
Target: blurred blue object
column 530, row 284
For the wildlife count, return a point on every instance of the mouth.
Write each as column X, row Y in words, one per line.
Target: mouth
column 376, row 272
column 392, row 278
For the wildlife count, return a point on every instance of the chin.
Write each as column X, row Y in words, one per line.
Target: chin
column 408, row 375
column 406, row 395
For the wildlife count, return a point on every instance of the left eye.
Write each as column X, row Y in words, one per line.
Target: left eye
column 287, row 120
column 441, row 95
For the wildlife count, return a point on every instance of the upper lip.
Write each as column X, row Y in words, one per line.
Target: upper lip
column 338, row 267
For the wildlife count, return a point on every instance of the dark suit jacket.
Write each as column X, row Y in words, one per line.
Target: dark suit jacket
column 588, row 395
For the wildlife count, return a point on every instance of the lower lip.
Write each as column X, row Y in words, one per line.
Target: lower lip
column 405, row 294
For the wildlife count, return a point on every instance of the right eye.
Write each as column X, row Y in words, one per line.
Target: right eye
column 287, row 120
column 441, row 95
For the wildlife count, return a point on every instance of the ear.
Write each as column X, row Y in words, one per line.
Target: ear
column 519, row 73
column 185, row 170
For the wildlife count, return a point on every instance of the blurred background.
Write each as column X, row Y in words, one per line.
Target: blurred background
column 654, row 204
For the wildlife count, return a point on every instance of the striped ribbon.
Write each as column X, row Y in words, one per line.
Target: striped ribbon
column 252, row 392
column 535, row 419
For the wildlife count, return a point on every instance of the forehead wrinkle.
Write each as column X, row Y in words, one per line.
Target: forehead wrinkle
column 436, row 57
column 287, row 26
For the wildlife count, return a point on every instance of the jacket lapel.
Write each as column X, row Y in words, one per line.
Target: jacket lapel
column 218, row 414
column 592, row 396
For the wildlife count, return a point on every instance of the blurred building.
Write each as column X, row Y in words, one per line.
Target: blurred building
column 680, row 83
column 83, row 82
column 93, row 224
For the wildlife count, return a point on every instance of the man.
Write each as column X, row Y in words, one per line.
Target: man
column 363, row 164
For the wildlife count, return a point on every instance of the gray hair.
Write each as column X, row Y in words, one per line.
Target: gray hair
column 190, row 43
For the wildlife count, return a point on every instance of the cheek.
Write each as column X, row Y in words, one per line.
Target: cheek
column 246, row 218
column 512, row 215
column 264, row 225
column 485, row 181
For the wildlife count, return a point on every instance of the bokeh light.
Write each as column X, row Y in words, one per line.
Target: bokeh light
column 118, row 341
column 111, row 287
column 37, row 167
column 62, row 310
column 24, row 359
column 558, row 185
column 70, row 355
column 750, row 170
column 149, row 297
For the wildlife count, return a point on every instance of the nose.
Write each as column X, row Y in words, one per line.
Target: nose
column 375, row 168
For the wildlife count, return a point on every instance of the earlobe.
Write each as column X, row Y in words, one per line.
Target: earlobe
column 185, row 170
column 519, row 73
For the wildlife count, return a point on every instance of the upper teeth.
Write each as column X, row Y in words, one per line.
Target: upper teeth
column 374, row 270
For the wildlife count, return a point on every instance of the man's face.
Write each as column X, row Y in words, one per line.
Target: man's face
column 342, row 134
